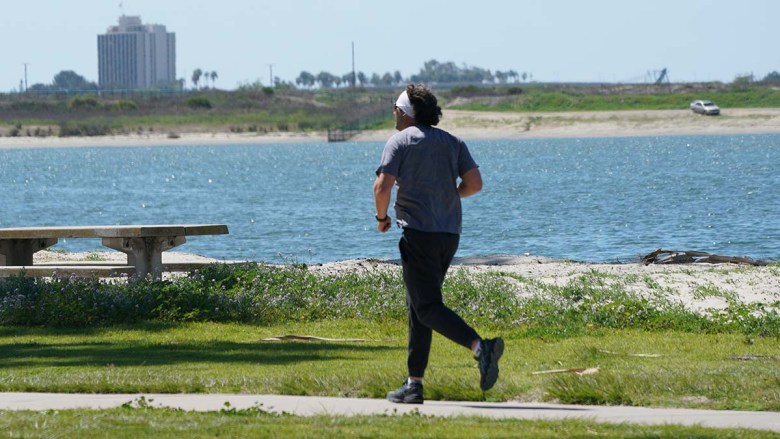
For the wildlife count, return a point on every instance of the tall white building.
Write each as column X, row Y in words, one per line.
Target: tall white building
column 134, row 55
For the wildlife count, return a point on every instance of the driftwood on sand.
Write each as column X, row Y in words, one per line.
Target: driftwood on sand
column 661, row 256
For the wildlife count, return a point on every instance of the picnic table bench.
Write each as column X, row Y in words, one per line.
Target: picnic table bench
column 143, row 244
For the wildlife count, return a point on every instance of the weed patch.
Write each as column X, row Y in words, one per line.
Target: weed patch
column 268, row 294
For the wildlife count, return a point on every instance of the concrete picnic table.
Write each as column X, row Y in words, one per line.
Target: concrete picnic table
column 143, row 244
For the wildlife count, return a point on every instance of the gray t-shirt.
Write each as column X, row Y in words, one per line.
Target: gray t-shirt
column 426, row 162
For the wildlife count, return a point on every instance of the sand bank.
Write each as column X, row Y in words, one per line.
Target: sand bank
column 495, row 125
column 472, row 125
column 698, row 287
column 197, row 138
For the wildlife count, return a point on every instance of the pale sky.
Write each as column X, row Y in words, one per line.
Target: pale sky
column 552, row 40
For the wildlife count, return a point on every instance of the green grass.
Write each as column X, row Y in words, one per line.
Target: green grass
column 206, row 333
column 686, row 370
column 167, row 423
column 550, row 101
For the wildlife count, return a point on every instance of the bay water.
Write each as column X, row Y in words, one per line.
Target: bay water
column 588, row 199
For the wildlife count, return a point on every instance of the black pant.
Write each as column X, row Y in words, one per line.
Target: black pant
column 425, row 258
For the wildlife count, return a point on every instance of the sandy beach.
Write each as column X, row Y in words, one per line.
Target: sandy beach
column 471, row 125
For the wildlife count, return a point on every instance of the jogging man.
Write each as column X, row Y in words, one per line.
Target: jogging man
column 433, row 170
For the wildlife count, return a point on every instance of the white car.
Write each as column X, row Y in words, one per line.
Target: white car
column 705, row 107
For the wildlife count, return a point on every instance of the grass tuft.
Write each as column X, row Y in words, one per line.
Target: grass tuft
column 601, row 389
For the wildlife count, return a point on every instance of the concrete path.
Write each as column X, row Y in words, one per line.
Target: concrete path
column 310, row 405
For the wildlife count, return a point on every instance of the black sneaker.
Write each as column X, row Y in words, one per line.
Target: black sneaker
column 408, row 393
column 492, row 349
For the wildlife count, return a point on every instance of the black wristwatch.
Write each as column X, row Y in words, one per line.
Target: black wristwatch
column 381, row 220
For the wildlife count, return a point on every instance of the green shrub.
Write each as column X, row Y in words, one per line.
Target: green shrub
column 124, row 105
column 83, row 102
column 31, row 106
column 83, row 129
column 307, row 125
column 198, row 102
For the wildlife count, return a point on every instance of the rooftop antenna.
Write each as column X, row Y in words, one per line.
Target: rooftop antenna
column 121, row 8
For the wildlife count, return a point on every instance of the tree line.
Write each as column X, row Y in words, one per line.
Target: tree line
column 432, row 72
column 67, row 81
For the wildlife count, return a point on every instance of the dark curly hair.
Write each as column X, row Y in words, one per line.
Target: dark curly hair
column 426, row 108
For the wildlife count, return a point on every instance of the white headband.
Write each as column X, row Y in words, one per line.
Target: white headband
column 405, row 104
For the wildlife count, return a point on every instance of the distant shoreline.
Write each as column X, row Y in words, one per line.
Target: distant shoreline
column 470, row 125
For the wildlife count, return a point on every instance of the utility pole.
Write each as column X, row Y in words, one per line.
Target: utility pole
column 271, row 73
column 354, row 83
column 25, row 76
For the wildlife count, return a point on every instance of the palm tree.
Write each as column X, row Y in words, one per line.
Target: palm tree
column 305, row 79
column 387, row 79
column 196, row 77
column 326, row 79
column 213, row 75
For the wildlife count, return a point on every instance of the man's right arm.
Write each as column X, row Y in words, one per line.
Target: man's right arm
column 470, row 183
column 383, row 187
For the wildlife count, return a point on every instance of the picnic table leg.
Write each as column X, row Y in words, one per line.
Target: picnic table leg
column 20, row 251
column 145, row 253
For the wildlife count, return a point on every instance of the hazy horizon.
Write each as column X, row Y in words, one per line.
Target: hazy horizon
column 552, row 41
